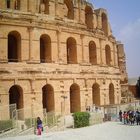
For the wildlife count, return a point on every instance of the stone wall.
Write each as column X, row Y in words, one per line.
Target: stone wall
column 51, row 57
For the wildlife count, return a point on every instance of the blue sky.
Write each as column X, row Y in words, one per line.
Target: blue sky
column 124, row 17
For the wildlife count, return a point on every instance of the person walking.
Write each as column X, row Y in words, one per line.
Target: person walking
column 137, row 115
column 120, row 115
column 39, row 126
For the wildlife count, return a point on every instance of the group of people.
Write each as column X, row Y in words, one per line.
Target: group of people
column 130, row 117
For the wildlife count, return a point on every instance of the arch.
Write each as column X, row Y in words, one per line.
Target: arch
column 71, row 51
column 8, row 3
column 96, row 94
column 104, row 23
column 108, row 54
column 70, row 9
column 89, row 17
column 75, row 104
column 17, row 5
column 48, row 98
column 45, row 6
column 111, row 94
column 92, row 53
column 45, row 49
column 16, row 96
column 14, row 47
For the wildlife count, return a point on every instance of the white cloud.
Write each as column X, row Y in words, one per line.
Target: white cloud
column 130, row 37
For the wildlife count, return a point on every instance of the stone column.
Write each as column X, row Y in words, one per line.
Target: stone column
column 56, row 8
column 23, row 5
column 30, row 29
column 79, row 9
column 52, row 8
column 82, row 45
column 12, row 5
column 82, row 14
column 114, row 57
column 99, row 22
column 31, row 5
column 101, row 56
column 3, row 4
column 58, row 43
column 3, row 48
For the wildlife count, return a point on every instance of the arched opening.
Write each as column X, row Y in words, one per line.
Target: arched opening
column 17, row 5
column 45, row 6
column 89, row 17
column 48, row 98
column 45, row 49
column 96, row 94
column 111, row 94
column 16, row 96
column 14, row 47
column 75, row 104
column 92, row 53
column 8, row 4
column 104, row 23
column 70, row 9
column 71, row 51
column 108, row 55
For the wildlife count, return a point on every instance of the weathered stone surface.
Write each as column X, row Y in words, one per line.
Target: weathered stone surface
column 62, row 57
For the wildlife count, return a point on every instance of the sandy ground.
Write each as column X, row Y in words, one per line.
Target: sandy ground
column 104, row 131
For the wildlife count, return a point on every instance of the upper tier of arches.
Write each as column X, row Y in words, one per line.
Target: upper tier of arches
column 73, row 10
column 71, row 50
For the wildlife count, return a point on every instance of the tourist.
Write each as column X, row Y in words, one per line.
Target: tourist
column 120, row 115
column 137, row 115
column 39, row 126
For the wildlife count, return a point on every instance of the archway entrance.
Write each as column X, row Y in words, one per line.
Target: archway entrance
column 45, row 49
column 104, row 23
column 111, row 94
column 89, row 17
column 108, row 55
column 14, row 47
column 48, row 98
column 71, row 51
column 16, row 97
column 92, row 53
column 96, row 94
column 75, row 104
column 70, row 9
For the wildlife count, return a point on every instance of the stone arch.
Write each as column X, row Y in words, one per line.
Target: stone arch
column 44, row 6
column 92, row 53
column 8, row 3
column 17, row 4
column 104, row 23
column 14, row 47
column 48, row 98
column 71, row 51
column 45, row 49
column 108, row 54
column 16, row 96
column 75, row 104
column 70, row 7
column 111, row 94
column 89, row 17
column 96, row 94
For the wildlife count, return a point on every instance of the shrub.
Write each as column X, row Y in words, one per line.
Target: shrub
column 5, row 125
column 81, row 119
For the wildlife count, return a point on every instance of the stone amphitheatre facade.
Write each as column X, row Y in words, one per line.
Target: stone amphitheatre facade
column 59, row 55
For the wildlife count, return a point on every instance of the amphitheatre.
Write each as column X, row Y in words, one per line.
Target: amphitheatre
column 58, row 55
